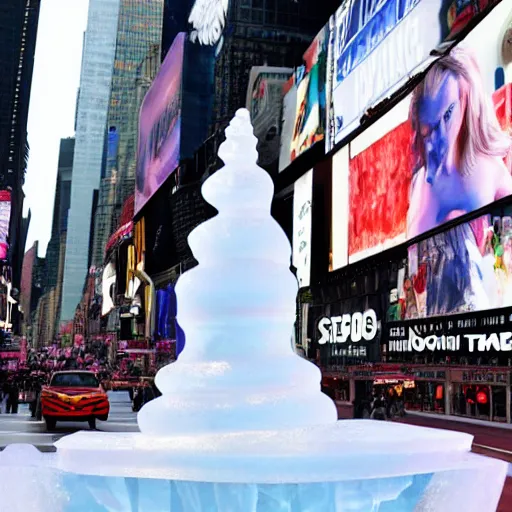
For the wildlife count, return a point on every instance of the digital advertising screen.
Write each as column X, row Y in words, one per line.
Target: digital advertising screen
column 307, row 116
column 112, row 149
column 443, row 152
column 289, row 108
column 376, row 46
column 264, row 101
column 464, row 269
column 338, row 257
column 302, row 215
column 160, row 126
column 5, row 219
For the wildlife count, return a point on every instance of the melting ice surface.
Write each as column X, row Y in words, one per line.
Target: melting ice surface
column 242, row 425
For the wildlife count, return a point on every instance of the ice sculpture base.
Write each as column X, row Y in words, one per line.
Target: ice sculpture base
column 350, row 465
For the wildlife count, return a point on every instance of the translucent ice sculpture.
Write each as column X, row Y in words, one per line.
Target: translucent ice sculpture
column 242, row 425
column 237, row 308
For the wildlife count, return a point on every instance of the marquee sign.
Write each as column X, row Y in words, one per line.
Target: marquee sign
column 355, row 327
column 477, row 333
column 499, row 342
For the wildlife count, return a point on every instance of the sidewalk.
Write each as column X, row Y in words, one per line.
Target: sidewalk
column 485, row 435
column 492, row 435
column 462, row 419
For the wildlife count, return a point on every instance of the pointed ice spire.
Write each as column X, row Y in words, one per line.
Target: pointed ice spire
column 238, row 370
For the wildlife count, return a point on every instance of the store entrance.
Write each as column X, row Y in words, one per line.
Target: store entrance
column 363, row 398
column 481, row 402
column 425, row 397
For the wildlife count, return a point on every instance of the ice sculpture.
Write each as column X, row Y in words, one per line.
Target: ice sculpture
column 242, row 425
column 238, row 371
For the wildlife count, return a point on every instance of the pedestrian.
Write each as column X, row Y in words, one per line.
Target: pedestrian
column 37, row 393
column 5, row 398
column 148, row 393
column 13, row 398
column 137, row 400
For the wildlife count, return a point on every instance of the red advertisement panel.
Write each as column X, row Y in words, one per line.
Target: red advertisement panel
column 382, row 217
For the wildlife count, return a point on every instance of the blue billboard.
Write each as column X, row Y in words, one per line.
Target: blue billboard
column 377, row 46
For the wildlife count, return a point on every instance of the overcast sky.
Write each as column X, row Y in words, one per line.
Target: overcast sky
column 52, row 106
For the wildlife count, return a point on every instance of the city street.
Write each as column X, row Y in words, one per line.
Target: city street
column 21, row 428
column 491, row 441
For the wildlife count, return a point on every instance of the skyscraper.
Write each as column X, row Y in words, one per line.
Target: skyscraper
column 18, row 31
column 262, row 33
column 93, row 104
column 60, row 209
column 139, row 32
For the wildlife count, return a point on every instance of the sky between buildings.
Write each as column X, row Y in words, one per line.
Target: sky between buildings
column 52, row 106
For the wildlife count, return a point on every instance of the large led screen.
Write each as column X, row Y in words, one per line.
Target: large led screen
column 160, row 126
column 466, row 268
column 264, row 100
column 442, row 152
column 375, row 47
column 302, row 205
column 5, row 219
column 339, row 233
column 305, row 106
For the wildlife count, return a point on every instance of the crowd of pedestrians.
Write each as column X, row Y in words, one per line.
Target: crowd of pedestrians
column 379, row 406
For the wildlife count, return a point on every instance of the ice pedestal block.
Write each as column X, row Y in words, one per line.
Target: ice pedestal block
column 242, row 425
column 352, row 465
column 29, row 481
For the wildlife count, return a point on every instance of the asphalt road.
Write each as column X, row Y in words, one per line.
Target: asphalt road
column 21, row 428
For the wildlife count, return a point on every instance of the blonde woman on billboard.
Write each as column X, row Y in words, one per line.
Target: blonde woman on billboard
column 458, row 145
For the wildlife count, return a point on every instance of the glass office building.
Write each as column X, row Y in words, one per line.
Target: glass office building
column 93, row 107
column 139, row 32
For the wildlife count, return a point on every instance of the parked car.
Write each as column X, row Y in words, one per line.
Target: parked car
column 74, row 396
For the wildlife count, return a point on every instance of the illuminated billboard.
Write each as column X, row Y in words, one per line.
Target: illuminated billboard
column 375, row 47
column 302, row 210
column 158, row 153
column 466, row 268
column 5, row 219
column 264, row 100
column 305, row 111
column 442, row 152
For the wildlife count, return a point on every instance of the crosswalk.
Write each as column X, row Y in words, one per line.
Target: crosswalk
column 21, row 428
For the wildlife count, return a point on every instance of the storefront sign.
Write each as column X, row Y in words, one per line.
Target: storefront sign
column 132, row 345
column 479, row 376
column 429, row 375
column 353, row 328
column 499, row 342
column 363, row 373
column 464, row 334
column 484, row 376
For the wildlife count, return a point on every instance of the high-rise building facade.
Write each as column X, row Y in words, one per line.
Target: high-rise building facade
column 93, row 105
column 261, row 33
column 139, row 32
column 18, row 31
column 60, row 209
